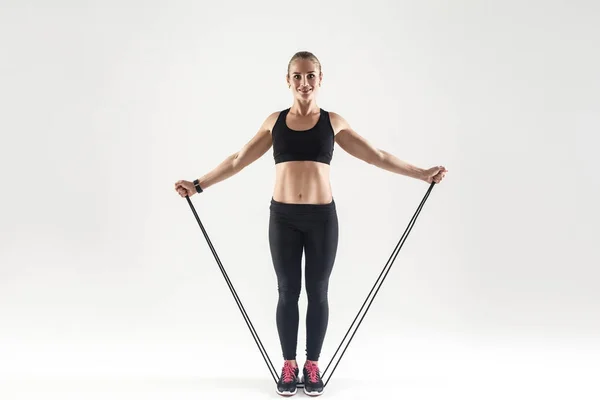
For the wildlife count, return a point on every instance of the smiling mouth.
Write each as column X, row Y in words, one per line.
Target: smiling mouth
column 305, row 91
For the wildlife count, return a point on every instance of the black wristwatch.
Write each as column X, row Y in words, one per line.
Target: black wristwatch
column 197, row 185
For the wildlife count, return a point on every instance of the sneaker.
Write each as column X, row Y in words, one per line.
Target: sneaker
column 313, row 385
column 288, row 381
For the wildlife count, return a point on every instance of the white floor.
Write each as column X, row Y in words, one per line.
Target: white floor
column 470, row 386
column 483, row 373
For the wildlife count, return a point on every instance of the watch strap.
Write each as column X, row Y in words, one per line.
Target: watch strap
column 197, row 186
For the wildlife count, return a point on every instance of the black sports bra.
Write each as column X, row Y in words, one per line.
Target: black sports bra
column 314, row 144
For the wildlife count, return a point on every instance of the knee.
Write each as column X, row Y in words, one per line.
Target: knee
column 289, row 294
column 317, row 292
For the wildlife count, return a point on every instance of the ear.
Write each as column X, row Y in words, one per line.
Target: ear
column 287, row 80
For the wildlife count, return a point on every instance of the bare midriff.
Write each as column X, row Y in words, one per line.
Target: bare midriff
column 302, row 182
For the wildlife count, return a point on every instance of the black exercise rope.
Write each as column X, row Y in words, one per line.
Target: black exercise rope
column 392, row 258
column 272, row 369
column 383, row 273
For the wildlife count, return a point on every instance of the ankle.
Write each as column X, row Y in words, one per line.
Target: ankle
column 316, row 363
column 293, row 362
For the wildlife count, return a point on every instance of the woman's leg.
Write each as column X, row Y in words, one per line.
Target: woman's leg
column 321, row 243
column 286, row 243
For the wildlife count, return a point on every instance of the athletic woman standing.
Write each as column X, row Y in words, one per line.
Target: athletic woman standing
column 303, row 216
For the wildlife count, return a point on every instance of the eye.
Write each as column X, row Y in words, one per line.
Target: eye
column 311, row 76
column 296, row 76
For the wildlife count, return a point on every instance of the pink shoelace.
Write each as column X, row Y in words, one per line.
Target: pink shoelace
column 313, row 372
column 288, row 372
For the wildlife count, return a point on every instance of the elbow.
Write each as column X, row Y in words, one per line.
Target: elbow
column 236, row 165
column 377, row 158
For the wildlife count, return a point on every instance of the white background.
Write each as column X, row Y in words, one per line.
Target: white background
column 108, row 287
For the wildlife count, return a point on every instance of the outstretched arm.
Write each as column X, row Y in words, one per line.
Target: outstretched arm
column 236, row 162
column 359, row 147
column 250, row 152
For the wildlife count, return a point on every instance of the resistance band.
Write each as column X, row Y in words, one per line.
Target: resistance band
column 381, row 276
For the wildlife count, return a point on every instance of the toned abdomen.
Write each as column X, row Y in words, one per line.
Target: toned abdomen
column 302, row 182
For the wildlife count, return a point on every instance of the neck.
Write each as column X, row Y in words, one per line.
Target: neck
column 303, row 108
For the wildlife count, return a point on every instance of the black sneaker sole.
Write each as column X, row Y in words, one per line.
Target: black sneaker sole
column 308, row 393
column 312, row 394
column 286, row 394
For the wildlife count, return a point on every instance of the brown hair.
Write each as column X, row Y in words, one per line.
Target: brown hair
column 304, row 55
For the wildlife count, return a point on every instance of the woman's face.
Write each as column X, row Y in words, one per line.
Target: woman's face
column 304, row 79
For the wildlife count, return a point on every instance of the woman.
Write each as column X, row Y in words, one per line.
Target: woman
column 302, row 211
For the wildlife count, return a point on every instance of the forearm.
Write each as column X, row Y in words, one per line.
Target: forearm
column 391, row 163
column 226, row 169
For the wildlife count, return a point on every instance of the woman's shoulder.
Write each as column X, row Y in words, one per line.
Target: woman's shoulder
column 337, row 121
column 335, row 116
column 271, row 120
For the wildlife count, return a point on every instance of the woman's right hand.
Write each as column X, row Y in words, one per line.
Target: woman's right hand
column 185, row 188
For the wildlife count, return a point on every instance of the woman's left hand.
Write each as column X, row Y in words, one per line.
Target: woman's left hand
column 435, row 174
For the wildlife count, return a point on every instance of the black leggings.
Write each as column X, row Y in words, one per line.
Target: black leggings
column 294, row 228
